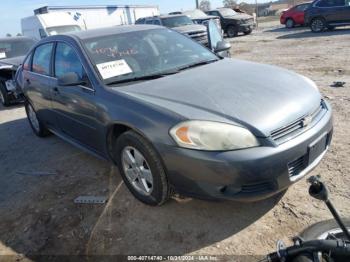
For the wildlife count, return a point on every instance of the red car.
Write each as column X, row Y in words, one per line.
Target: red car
column 294, row 15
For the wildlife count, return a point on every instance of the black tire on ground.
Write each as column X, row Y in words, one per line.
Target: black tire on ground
column 40, row 130
column 4, row 98
column 160, row 188
column 231, row 31
column 318, row 25
column 315, row 231
column 248, row 32
column 290, row 23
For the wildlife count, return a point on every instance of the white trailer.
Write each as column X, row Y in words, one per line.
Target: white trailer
column 51, row 20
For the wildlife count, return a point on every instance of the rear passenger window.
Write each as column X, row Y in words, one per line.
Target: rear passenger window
column 42, row 59
column 156, row 22
column 330, row 3
column 67, row 61
column 149, row 22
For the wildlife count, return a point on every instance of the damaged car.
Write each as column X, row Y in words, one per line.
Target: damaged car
column 174, row 116
column 12, row 52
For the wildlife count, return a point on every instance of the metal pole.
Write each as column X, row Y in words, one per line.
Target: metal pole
column 337, row 218
column 257, row 12
column 197, row 4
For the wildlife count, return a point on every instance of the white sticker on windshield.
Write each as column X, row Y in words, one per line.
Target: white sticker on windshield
column 114, row 68
column 2, row 55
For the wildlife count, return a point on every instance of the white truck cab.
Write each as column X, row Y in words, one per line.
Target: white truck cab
column 42, row 25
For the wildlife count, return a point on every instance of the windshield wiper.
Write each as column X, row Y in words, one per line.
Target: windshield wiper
column 146, row 77
column 200, row 63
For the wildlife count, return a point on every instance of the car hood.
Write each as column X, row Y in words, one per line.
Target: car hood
column 260, row 97
column 239, row 16
column 189, row 28
column 14, row 61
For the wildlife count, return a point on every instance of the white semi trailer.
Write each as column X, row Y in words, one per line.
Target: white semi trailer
column 50, row 20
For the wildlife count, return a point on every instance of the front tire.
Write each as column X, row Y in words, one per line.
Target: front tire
column 231, row 31
column 318, row 25
column 322, row 230
column 290, row 23
column 37, row 126
column 248, row 32
column 141, row 169
column 4, row 98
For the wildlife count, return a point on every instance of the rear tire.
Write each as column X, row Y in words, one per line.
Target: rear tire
column 318, row 25
column 141, row 169
column 4, row 98
column 290, row 23
column 37, row 126
column 320, row 229
column 231, row 31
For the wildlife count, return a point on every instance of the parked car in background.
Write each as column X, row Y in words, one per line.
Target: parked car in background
column 294, row 15
column 232, row 22
column 173, row 115
column 199, row 17
column 180, row 23
column 12, row 52
column 327, row 14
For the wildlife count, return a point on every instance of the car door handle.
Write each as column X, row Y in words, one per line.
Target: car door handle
column 28, row 81
column 56, row 91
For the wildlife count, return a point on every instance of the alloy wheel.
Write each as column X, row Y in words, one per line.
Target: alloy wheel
column 290, row 23
column 332, row 234
column 137, row 170
column 33, row 118
column 317, row 25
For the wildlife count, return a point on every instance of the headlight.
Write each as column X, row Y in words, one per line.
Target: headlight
column 212, row 136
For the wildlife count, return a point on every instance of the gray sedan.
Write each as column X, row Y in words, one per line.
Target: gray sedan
column 173, row 115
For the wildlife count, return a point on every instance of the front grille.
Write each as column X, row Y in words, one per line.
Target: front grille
column 257, row 188
column 199, row 36
column 293, row 129
column 296, row 166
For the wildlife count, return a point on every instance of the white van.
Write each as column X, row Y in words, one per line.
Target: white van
column 43, row 25
column 49, row 20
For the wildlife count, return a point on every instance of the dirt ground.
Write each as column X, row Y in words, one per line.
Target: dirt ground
column 38, row 215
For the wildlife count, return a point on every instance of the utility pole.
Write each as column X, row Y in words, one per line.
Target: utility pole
column 197, row 4
column 257, row 13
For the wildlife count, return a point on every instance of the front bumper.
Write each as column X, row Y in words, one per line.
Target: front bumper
column 246, row 27
column 245, row 175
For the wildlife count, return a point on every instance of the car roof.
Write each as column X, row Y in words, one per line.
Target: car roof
column 15, row 38
column 120, row 29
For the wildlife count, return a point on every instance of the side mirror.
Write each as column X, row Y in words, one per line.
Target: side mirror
column 70, row 79
column 216, row 42
column 222, row 46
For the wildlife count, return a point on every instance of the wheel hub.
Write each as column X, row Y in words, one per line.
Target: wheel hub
column 137, row 170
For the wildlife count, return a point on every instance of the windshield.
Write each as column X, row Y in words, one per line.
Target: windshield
column 144, row 53
column 176, row 21
column 14, row 48
column 227, row 12
column 56, row 30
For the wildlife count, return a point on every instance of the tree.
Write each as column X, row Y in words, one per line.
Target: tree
column 8, row 35
column 229, row 3
column 19, row 34
column 205, row 5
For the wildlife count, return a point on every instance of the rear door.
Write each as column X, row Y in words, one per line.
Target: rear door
column 37, row 82
column 74, row 105
column 299, row 13
column 334, row 11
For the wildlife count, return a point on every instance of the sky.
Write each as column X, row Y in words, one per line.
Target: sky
column 13, row 10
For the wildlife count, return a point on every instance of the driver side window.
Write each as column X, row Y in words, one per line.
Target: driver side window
column 67, row 61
